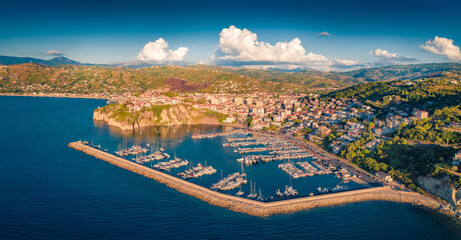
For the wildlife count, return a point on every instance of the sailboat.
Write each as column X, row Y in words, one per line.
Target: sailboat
column 251, row 190
column 244, row 174
column 252, row 194
column 279, row 193
column 290, row 191
column 260, row 195
column 240, row 192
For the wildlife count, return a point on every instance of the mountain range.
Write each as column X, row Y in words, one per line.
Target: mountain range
column 9, row 60
column 320, row 80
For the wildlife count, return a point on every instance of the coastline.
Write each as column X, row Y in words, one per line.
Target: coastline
column 138, row 125
column 55, row 95
column 263, row 209
column 127, row 129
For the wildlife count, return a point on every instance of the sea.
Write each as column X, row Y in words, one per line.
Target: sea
column 51, row 191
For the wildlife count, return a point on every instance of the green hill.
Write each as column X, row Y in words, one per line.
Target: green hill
column 440, row 90
column 389, row 73
column 308, row 78
column 31, row 77
column 73, row 77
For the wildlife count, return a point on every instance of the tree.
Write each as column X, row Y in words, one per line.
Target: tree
column 306, row 130
column 370, row 125
column 249, row 121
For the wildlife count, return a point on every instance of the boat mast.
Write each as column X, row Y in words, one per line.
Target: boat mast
column 251, row 187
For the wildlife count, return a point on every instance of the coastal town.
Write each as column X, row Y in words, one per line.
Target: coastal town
column 296, row 115
column 230, row 119
column 288, row 128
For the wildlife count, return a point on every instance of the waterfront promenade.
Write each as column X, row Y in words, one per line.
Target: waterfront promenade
column 257, row 208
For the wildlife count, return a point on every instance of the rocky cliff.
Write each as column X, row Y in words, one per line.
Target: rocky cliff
column 441, row 187
column 118, row 115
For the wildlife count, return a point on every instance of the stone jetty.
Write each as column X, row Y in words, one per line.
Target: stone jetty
column 257, row 208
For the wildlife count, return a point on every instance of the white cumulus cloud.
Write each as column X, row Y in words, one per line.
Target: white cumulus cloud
column 442, row 46
column 159, row 52
column 346, row 62
column 243, row 46
column 57, row 53
column 383, row 53
column 387, row 58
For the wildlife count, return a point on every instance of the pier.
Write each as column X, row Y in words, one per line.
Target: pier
column 257, row 208
column 197, row 171
column 293, row 171
column 230, row 182
column 255, row 159
column 155, row 156
column 175, row 163
column 133, row 150
column 219, row 134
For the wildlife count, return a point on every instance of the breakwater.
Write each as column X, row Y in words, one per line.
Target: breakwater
column 257, row 208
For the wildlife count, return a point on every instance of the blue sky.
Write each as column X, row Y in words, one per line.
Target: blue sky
column 117, row 31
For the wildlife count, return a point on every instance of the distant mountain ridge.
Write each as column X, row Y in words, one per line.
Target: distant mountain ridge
column 34, row 77
column 321, row 80
column 9, row 60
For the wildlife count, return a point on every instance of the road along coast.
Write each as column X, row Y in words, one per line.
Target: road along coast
column 257, row 208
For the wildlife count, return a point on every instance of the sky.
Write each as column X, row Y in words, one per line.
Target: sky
column 324, row 35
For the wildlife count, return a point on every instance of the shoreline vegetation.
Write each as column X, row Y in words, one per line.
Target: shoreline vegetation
column 263, row 209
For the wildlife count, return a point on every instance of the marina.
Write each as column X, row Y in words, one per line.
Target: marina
column 276, row 149
column 270, row 157
column 263, row 206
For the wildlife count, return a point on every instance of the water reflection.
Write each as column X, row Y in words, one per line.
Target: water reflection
column 166, row 133
column 176, row 141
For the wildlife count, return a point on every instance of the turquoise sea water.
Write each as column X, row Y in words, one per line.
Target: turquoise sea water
column 50, row 191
